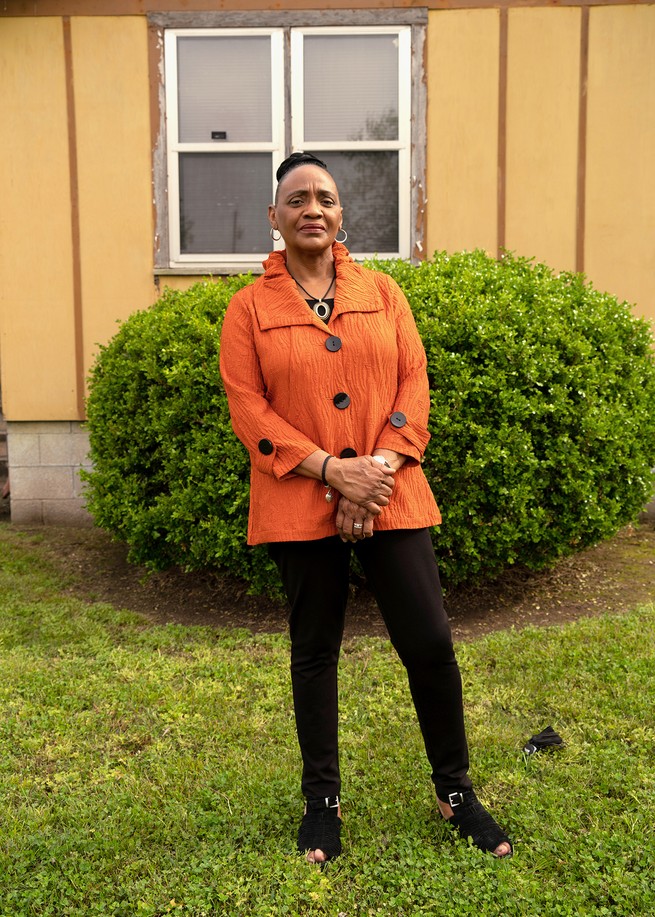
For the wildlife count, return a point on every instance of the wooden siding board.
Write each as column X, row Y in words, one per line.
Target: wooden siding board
column 143, row 7
column 542, row 134
column 36, row 280
column 620, row 189
column 114, row 153
column 463, row 79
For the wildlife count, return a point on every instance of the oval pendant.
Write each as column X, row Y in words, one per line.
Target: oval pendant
column 322, row 310
column 328, row 496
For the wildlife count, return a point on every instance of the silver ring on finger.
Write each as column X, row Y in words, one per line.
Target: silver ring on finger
column 357, row 525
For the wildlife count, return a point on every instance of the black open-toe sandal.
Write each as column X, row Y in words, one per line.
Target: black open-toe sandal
column 471, row 819
column 320, row 828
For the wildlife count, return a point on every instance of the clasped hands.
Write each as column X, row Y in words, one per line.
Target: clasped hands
column 365, row 486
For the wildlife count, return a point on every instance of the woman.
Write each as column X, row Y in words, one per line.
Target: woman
column 325, row 376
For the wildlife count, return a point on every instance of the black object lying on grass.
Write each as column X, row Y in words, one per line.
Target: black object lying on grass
column 547, row 738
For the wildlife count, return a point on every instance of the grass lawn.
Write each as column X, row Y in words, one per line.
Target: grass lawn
column 149, row 770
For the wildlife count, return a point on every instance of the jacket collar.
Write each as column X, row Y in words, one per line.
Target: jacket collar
column 278, row 302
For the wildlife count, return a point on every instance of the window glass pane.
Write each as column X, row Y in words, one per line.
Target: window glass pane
column 224, row 86
column 360, row 100
column 368, row 190
column 223, row 202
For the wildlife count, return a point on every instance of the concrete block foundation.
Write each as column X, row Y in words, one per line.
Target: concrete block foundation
column 44, row 461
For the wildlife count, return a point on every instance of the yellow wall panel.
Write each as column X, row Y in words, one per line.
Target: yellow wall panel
column 181, row 282
column 620, row 225
column 110, row 65
column 37, row 344
column 462, row 146
column 543, row 67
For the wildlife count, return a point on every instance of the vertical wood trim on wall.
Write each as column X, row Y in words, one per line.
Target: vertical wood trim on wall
column 288, row 148
column 158, row 141
column 502, row 133
column 581, row 190
column 419, row 141
column 78, row 319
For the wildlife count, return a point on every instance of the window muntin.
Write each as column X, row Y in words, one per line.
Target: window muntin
column 227, row 123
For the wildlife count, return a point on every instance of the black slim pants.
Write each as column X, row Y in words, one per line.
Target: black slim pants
column 402, row 572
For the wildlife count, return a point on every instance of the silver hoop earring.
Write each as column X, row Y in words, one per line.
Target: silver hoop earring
column 274, row 238
column 345, row 235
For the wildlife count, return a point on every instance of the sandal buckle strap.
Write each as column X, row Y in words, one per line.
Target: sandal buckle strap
column 322, row 802
column 455, row 799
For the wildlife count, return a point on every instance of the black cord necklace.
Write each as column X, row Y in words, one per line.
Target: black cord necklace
column 320, row 308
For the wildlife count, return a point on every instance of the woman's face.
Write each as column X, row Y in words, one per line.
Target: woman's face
column 307, row 211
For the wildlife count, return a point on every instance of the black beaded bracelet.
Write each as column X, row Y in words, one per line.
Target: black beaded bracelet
column 325, row 461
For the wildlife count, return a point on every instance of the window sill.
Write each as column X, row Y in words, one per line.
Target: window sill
column 210, row 270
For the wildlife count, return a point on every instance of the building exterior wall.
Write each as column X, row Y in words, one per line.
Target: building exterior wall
column 462, row 131
column 114, row 173
column 37, row 323
column 620, row 212
column 543, row 70
column 540, row 139
column 75, row 181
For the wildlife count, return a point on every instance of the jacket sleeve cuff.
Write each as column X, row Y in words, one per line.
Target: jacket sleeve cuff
column 402, row 436
column 279, row 459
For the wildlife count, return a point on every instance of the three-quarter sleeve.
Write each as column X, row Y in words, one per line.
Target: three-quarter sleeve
column 406, row 430
column 274, row 445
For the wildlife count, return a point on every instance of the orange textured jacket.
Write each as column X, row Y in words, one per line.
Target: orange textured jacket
column 295, row 385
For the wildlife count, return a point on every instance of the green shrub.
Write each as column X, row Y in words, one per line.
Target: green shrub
column 542, row 409
column 542, row 421
column 169, row 477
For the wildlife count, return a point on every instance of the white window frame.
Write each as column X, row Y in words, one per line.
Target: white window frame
column 174, row 147
column 403, row 145
column 412, row 218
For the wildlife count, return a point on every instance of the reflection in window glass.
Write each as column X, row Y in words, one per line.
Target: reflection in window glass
column 209, row 72
column 368, row 189
column 223, row 202
column 365, row 68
